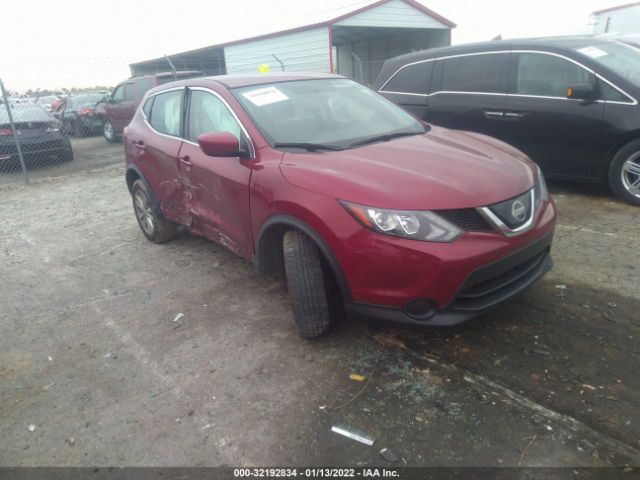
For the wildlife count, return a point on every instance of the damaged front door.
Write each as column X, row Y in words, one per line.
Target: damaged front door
column 216, row 188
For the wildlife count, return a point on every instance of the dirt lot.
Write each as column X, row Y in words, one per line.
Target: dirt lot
column 92, row 357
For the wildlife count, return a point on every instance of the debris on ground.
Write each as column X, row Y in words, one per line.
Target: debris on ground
column 71, row 441
column 47, row 387
column 389, row 455
column 106, row 355
column 50, row 358
column 612, row 304
column 356, row 377
column 353, row 434
column 541, row 352
column 31, row 428
column 178, row 317
column 561, row 289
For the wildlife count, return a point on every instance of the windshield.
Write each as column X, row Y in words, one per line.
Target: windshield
column 333, row 112
column 620, row 57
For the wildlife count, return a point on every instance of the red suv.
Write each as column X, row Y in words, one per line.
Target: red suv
column 118, row 109
column 357, row 203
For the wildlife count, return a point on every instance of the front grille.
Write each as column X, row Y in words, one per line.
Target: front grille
column 467, row 219
column 495, row 283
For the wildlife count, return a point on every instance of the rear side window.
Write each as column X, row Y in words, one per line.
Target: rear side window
column 411, row 79
column 143, row 85
column 207, row 114
column 146, row 108
column 548, row 75
column 482, row 73
column 165, row 115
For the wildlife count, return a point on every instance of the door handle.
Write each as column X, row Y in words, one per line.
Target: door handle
column 493, row 114
column 185, row 161
column 515, row 115
column 140, row 144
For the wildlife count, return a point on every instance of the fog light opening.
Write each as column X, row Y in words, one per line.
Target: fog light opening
column 422, row 309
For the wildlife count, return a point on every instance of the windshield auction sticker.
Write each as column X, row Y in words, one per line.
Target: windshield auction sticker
column 265, row 96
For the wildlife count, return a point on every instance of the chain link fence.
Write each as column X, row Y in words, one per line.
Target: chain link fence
column 51, row 135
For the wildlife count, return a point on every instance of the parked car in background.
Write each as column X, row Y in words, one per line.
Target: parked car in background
column 41, row 137
column 570, row 103
column 78, row 115
column 360, row 205
column 46, row 102
column 118, row 109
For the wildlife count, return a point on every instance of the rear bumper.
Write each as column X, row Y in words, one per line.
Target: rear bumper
column 482, row 291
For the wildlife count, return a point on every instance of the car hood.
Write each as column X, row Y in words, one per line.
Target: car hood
column 441, row 169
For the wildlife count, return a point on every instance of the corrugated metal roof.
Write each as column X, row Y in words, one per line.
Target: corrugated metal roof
column 619, row 7
column 324, row 18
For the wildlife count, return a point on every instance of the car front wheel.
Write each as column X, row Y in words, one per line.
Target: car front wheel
column 624, row 173
column 153, row 225
column 307, row 284
column 108, row 132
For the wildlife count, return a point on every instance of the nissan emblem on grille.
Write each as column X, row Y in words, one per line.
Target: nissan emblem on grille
column 518, row 210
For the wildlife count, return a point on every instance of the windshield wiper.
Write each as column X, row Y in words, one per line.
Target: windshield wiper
column 310, row 147
column 384, row 138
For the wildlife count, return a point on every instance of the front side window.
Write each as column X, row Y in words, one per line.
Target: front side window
column 411, row 79
column 129, row 93
column 547, row 75
column 335, row 112
column 207, row 114
column 165, row 115
column 480, row 73
column 118, row 95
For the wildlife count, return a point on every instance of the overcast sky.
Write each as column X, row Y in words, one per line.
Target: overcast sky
column 65, row 43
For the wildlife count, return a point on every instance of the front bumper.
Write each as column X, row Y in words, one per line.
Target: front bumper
column 484, row 289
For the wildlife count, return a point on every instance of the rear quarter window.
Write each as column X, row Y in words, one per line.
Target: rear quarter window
column 166, row 112
column 412, row 78
column 482, row 73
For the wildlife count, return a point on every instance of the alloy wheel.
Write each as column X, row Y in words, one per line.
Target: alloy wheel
column 144, row 212
column 630, row 174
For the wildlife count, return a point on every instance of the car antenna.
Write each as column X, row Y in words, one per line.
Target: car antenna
column 173, row 68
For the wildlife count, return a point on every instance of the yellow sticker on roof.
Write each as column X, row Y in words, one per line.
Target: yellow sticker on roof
column 265, row 96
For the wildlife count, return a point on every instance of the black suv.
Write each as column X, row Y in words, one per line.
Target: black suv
column 570, row 103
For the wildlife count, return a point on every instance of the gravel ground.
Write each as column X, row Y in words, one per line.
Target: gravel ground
column 94, row 358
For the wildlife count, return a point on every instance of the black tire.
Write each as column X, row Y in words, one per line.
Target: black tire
column 619, row 178
column 307, row 284
column 109, row 133
column 154, row 226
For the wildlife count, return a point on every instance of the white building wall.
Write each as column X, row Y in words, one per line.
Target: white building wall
column 623, row 20
column 392, row 14
column 307, row 50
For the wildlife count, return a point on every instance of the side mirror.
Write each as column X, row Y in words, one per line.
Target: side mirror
column 582, row 91
column 220, row 144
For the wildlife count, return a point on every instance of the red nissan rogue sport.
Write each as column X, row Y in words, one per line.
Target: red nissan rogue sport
column 357, row 203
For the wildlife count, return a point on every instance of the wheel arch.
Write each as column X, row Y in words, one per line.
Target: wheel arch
column 622, row 142
column 269, row 258
column 133, row 174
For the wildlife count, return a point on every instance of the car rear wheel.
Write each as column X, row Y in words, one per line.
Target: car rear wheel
column 108, row 132
column 624, row 173
column 307, row 284
column 153, row 225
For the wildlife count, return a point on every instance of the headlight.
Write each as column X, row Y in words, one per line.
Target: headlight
column 418, row 225
column 541, row 192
